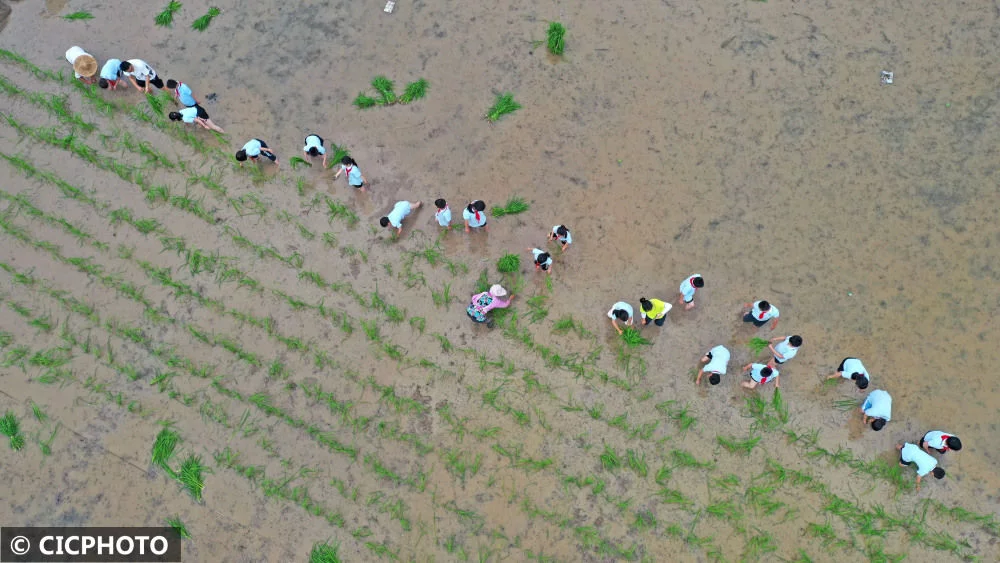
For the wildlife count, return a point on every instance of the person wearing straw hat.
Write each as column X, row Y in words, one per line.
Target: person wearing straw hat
column 84, row 64
column 483, row 303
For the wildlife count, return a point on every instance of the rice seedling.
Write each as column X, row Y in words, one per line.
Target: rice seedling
column 17, row 442
column 846, row 404
column 503, row 105
column 682, row 458
column 297, row 161
column 609, row 459
column 166, row 17
column 509, row 263
column 385, row 88
column 556, row 38
column 325, row 553
column 155, row 103
column 631, row 337
column 176, row 523
column 164, row 447
column 76, row 16
column 759, row 546
column 201, row 24
column 741, row 447
column 10, row 426
column 637, row 463
column 46, row 446
column 40, row 415
column 414, row 91
column 443, row 297
column 757, row 345
column 190, row 476
column 513, row 206
column 364, row 101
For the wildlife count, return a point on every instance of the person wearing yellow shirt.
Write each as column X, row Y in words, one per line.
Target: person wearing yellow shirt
column 654, row 310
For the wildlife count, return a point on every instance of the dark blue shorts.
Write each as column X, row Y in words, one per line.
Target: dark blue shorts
column 749, row 318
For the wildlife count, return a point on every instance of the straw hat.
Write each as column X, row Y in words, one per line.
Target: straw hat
column 85, row 65
column 498, row 290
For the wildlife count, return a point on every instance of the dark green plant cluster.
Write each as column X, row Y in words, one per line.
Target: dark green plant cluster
column 509, row 263
column 556, row 38
column 513, row 206
column 201, row 24
column 503, row 105
column 387, row 94
column 166, row 17
column 11, row 427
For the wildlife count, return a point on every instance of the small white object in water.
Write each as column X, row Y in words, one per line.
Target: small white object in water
column 886, row 77
column 389, row 6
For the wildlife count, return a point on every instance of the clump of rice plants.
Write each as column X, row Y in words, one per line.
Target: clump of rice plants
column 11, row 427
column 190, row 476
column 201, row 24
column 742, row 447
column 337, row 153
column 386, row 88
column 514, row 206
column 324, row 553
column 631, row 337
column 757, row 345
column 845, row 404
column 163, row 448
column 556, row 38
column 166, row 17
column 503, row 105
column 297, row 161
column 364, row 102
column 179, row 526
column 78, row 16
column 414, row 91
column 610, row 459
column 509, row 263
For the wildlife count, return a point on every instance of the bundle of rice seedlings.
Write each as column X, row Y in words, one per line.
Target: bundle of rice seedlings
column 364, row 102
column 503, row 105
column 337, row 153
column 631, row 337
column 414, row 91
column 190, row 476
column 386, row 88
column 201, row 24
column 11, row 427
column 509, row 263
column 556, row 38
column 297, row 161
column 757, row 345
column 166, row 17
column 514, row 206
column 79, row 16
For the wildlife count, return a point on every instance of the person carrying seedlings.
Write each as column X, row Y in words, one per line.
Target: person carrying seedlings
column 853, row 369
column 111, row 74
column 654, row 310
column 759, row 312
column 398, row 213
column 483, row 303
column 620, row 311
column 141, row 75
column 910, row 454
column 561, row 234
column 84, row 64
column 182, row 93
column 760, row 374
column 715, row 364
column 352, row 172
column 474, row 215
column 443, row 213
column 786, row 347
column 195, row 114
column 543, row 260
column 314, row 147
column 941, row 442
column 877, row 408
column 253, row 149
column 688, row 288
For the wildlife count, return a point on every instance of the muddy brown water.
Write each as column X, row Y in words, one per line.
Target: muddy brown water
column 751, row 142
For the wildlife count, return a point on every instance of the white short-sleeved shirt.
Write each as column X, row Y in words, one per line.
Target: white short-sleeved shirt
column 913, row 454
column 252, row 147
column 140, row 70
column 878, row 405
column 536, row 252
column 568, row 239
column 72, row 54
column 188, row 115
column 443, row 216
column 719, row 361
column 398, row 213
column 786, row 349
column 758, row 377
column 353, row 174
column 854, row 365
column 937, row 439
column 759, row 315
column 688, row 289
column 111, row 69
column 313, row 141
column 470, row 216
column 623, row 306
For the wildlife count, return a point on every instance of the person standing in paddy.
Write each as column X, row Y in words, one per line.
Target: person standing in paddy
column 141, row 75
column 182, row 93
column 561, row 234
column 786, row 348
column 542, row 259
column 877, row 409
column 443, row 213
column 940, row 442
column 197, row 115
column 759, row 312
column 253, row 150
column 399, row 212
column 474, row 216
column 760, row 374
column 910, row 454
column 654, row 310
column 715, row 362
column 352, row 172
column 111, row 74
column 853, row 369
column 620, row 311
column 688, row 288
column 84, row 64
column 314, row 147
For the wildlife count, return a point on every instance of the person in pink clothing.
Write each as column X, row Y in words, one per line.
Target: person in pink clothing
column 483, row 303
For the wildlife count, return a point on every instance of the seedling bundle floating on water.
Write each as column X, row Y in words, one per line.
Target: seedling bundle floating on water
column 514, row 206
column 387, row 93
column 556, row 38
column 166, row 17
column 503, row 105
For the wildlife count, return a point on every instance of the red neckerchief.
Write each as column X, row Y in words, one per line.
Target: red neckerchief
column 691, row 281
column 944, row 441
column 762, row 313
column 177, row 90
column 476, row 211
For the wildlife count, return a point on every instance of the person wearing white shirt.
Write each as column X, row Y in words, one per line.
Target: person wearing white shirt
column 786, row 348
column 689, row 287
column 111, row 74
column 621, row 311
column 715, row 364
column 853, row 369
column 141, row 74
column 759, row 312
column 561, row 234
column 253, row 150
column 877, row 408
column 474, row 215
column 314, row 147
column 399, row 212
column 197, row 115
column 911, row 453
column 760, row 374
column 443, row 213
column 940, row 442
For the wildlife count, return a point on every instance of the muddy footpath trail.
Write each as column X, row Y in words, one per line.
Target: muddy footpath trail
column 325, row 394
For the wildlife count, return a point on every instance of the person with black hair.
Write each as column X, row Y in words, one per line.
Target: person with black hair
column 940, row 442
column 195, row 114
column 689, row 287
column 394, row 220
column 474, row 215
column 759, row 312
column 253, row 150
column 877, row 409
column 760, row 374
column 314, row 147
column 141, row 74
column 911, row 453
column 443, row 213
column 542, row 259
column 853, row 369
column 111, row 74
column 620, row 311
column 715, row 362
column 654, row 310
column 352, row 172
column 561, row 234
column 786, row 348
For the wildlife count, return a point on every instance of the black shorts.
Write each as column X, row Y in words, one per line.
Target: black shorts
column 935, row 449
column 201, row 111
column 157, row 81
column 306, row 140
column 689, row 299
column 749, row 318
column 777, row 361
column 904, row 462
column 840, row 368
column 359, row 186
